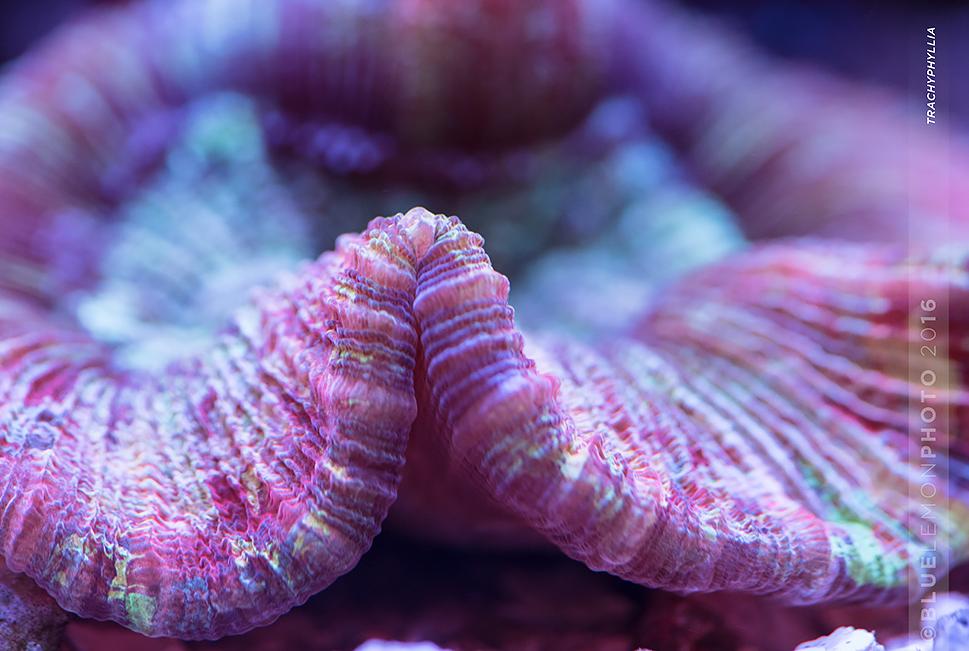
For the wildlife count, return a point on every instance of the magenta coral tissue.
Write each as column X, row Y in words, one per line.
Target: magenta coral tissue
column 217, row 496
column 664, row 381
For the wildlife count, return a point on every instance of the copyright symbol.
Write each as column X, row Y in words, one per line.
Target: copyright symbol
column 928, row 632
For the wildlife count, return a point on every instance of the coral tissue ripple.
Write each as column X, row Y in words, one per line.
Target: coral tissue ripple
column 216, row 497
column 752, row 434
column 773, row 460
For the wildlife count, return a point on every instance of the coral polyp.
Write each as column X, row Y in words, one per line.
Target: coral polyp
column 218, row 495
column 201, row 426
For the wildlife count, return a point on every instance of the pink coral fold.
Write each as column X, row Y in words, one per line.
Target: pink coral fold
column 214, row 498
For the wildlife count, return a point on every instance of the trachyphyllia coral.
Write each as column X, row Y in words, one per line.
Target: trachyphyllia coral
column 215, row 497
column 745, row 429
column 682, row 458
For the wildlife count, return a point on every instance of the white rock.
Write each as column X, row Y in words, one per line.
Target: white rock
column 844, row 639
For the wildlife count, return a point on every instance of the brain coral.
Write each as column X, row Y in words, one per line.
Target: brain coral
column 218, row 495
column 746, row 428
